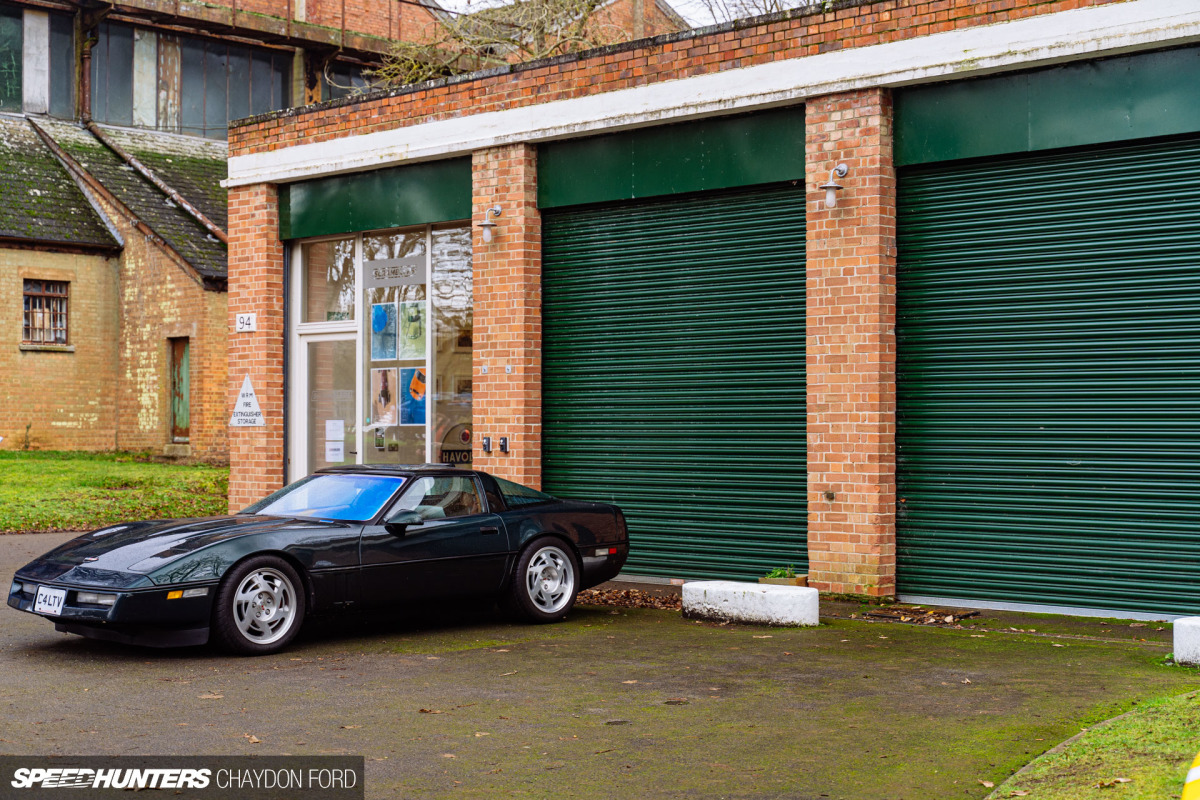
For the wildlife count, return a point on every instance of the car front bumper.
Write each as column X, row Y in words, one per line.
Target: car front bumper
column 139, row 616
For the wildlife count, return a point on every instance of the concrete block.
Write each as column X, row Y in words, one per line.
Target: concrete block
column 750, row 602
column 1187, row 640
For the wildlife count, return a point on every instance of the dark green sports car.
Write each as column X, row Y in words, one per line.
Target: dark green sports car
column 344, row 538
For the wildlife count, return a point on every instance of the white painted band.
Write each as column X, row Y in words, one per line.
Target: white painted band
column 1193, row 775
column 1035, row 608
column 1033, row 41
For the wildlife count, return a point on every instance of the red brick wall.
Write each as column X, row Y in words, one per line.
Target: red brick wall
column 618, row 21
column 792, row 36
column 508, row 314
column 256, row 285
column 851, row 346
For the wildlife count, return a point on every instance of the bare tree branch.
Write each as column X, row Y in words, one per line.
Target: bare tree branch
column 522, row 31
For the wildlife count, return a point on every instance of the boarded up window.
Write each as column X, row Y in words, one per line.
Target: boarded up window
column 202, row 83
column 112, row 75
column 220, row 82
column 11, row 29
column 62, row 66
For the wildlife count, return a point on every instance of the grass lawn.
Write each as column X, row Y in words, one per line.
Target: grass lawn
column 49, row 491
column 1143, row 755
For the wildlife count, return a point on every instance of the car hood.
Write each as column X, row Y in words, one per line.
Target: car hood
column 119, row 556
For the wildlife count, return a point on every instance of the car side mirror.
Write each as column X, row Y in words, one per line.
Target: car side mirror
column 400, row 522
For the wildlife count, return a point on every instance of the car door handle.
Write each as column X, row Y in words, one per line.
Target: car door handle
column 490, row 531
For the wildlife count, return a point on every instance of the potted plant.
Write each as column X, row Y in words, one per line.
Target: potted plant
column 785, row 576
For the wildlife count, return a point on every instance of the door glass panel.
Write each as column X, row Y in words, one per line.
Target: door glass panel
column 331, row 434
column 328, row 284
column 394, row 347
column 453, row 330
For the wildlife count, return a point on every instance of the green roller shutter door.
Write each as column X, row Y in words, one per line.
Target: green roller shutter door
column 1049, row 378
column 673, row 346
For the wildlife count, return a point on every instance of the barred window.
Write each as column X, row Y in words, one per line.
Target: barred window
column 45, row 319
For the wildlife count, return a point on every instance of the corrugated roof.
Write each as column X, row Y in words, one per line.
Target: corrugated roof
column 207, row 255
column 39, row 200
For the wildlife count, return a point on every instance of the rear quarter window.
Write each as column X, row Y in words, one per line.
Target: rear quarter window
column 516, row 495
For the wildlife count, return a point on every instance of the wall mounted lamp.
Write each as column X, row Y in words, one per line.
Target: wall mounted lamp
column 487, row 225
column 831, row 188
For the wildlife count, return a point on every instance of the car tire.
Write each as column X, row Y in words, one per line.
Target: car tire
column 259, row 607
column 545, row 582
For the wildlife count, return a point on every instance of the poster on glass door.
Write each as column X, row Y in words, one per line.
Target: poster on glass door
column 412, row 396
column 384, row 397
column 383, row 332
column 412, row 330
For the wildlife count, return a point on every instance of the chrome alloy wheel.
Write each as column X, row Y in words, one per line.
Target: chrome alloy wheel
column 264, row 606
column 550, row 579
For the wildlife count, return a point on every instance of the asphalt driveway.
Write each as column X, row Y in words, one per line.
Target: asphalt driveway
column 611, row 703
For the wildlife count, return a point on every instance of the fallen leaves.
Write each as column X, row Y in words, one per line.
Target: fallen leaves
column 919, row 616
column 210, row 696
column 428, row 711
column 630, row 598
column 1112, row 782
column 988, row 784
column 350, row 727
column 251, row 738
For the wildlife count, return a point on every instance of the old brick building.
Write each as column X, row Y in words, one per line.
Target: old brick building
column 903, row 291
column 112, row 219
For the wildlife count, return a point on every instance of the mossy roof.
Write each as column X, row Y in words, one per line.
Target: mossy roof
column 179, row 229
column 192, row 166
column 39, row 200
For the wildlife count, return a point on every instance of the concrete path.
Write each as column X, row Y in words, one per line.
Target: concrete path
column 610, row 704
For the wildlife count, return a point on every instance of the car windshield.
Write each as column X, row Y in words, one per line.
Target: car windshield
column 353, row 498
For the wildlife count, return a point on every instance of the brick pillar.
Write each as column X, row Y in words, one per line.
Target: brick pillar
column 851, row 347
column 256, row 285
column 508, row 314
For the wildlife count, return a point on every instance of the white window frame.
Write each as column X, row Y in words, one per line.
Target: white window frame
column 302, row 333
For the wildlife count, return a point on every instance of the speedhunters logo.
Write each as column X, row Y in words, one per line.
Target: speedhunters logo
column 209, row 777
column 83, row 778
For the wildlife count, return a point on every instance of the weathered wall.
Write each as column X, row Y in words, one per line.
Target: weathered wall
column 159, row 300
column 787, row 36
column 67, row 396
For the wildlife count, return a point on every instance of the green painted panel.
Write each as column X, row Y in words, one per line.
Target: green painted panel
column 1048, row 433
column 720, row 153
column 1088, row 102
column 673, row 375
column 437, row 191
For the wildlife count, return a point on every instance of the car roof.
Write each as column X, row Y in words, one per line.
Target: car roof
column 399, row 470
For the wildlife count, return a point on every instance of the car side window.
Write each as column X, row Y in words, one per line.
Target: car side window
column 440, row 497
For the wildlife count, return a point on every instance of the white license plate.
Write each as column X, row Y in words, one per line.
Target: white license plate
column 49, row 601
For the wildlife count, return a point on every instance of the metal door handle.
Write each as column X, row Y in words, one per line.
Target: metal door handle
column 490, row 531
